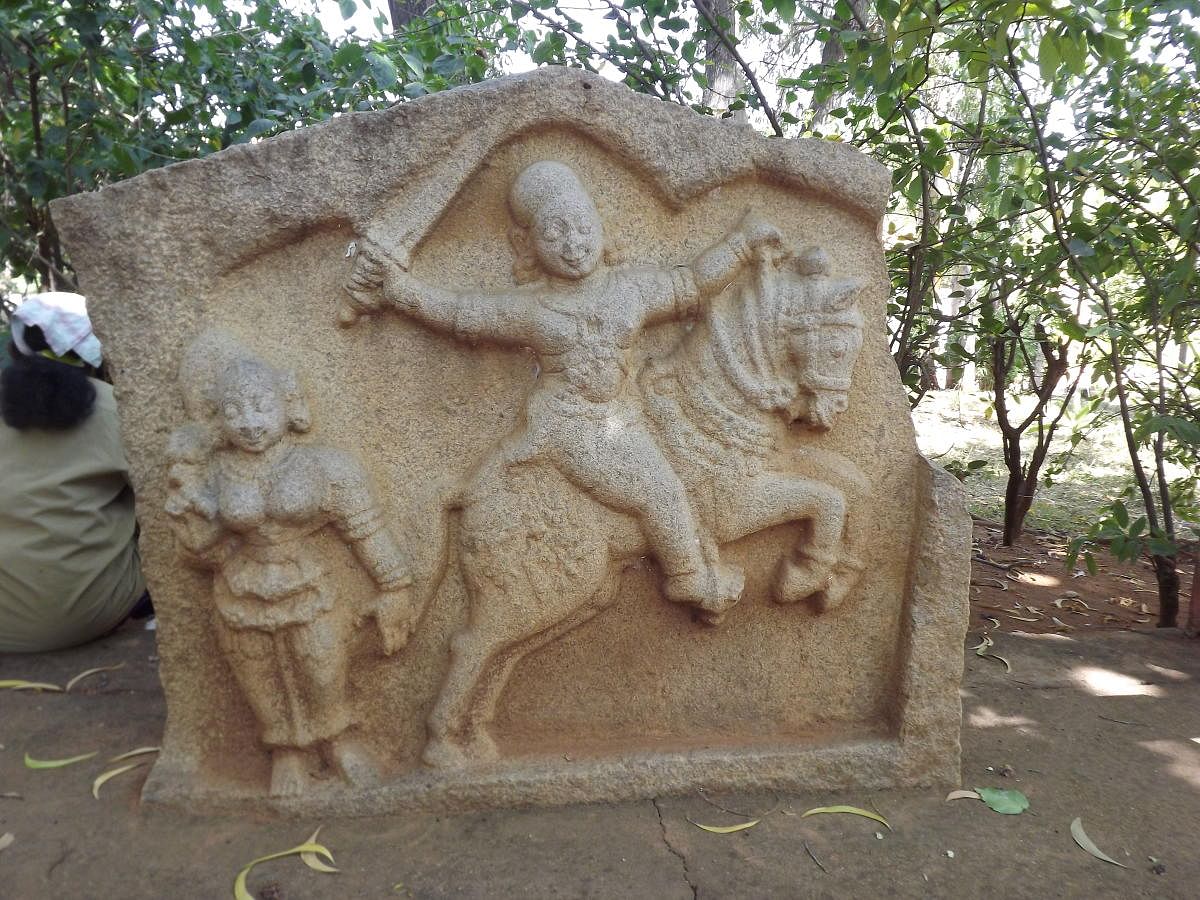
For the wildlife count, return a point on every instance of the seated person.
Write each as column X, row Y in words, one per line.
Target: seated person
column 69, row 568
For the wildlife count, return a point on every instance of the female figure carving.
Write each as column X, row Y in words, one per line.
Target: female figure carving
column 248, row 502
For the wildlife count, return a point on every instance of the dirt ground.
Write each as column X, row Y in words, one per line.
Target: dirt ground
column 1094, row 721
column 1027, row 587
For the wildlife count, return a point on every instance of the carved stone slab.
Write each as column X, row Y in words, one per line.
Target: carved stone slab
column 533, row 442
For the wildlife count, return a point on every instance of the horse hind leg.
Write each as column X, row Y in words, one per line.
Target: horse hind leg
column 481, row 664
column 455, row 736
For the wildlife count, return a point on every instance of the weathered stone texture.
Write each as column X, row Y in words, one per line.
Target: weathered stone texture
column 460, row 429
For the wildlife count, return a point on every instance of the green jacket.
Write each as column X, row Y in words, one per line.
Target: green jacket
column 69, row 569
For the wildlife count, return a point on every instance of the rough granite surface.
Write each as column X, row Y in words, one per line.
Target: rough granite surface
column 418, row 404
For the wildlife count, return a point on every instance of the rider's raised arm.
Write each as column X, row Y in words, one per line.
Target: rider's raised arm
column 507, row 317
column 676, row 293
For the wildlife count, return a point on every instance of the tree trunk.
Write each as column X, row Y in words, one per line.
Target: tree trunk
column 1167, row 576
column 724, row 77
column 404, row 11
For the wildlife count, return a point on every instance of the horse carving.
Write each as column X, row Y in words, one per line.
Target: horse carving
column 676, row 459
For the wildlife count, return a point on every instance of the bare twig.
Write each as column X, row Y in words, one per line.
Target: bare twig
column 813, row 857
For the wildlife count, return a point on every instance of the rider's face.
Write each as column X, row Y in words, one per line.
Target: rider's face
column 568, row 237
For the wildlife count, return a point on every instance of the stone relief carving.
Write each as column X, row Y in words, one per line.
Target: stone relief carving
column 247, row 501
column 678, row 457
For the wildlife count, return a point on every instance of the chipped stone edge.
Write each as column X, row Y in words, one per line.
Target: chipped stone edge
column 936, row 616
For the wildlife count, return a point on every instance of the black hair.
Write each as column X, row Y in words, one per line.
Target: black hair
column 36, row 392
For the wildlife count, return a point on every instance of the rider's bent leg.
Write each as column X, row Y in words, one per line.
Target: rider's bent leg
column 624, row 469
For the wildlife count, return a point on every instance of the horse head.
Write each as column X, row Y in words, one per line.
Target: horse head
column 822, row 331
column 791, row 344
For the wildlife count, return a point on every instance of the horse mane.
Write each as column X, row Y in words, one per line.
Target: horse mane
column 745, row 337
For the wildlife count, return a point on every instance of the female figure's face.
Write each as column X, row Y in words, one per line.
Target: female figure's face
column 253, row 416
column 567, row 236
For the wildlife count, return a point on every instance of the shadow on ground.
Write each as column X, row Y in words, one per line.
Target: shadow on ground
column 1104, row 726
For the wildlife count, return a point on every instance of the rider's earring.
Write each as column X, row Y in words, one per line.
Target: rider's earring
column 525, row 264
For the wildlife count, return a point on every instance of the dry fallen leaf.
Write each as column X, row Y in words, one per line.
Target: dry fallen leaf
column 90, row 672
column 850, row 810
column 1021, row 618
column 726, row 829
column 313, row 861
column 241, row 892
column 1060, row 623
column 31, row 763
column 1007, row 664
column 6, row 839
column 129, row 754
column 1085, row 842
column 19, row 684
column 962, row 795
column 112, row 773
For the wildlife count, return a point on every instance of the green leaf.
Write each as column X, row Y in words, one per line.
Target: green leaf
column 1080, row 248
column 1048, row 56
column 347, row 7
column 31, row 763
column 448, row 65
column 383, row 70
column 1074, row 52
column 257, row 127
column 348, row 55
column 1006, row 801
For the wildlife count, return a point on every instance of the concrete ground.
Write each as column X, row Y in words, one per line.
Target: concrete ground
column 1103, row 726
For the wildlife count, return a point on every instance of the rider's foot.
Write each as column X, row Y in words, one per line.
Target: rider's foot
column 715, row 590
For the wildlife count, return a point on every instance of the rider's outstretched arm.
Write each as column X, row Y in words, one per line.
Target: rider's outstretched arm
column 719, row 264
column 507, row 318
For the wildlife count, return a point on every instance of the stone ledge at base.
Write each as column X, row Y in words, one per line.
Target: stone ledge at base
column 868, row 764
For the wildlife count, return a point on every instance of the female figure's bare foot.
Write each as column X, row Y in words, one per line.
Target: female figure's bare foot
column 289, row 772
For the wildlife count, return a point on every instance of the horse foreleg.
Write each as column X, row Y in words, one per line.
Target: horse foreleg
column 818, row 568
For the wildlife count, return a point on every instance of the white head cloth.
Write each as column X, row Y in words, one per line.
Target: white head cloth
column 64, row 321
